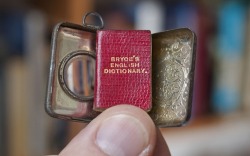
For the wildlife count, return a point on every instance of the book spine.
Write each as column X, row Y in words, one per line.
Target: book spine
column 16, row 106
column 226, row 96
column 34, row 46
column 3, row 123
column 152, row 20
column 189, row 15
column 246, row 68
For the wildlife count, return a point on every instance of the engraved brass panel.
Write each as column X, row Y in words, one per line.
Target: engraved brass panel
column 172, row 78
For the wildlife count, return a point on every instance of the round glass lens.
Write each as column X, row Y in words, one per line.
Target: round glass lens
column 79, row 74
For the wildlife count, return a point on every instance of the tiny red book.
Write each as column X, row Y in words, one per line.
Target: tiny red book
column 123, row 69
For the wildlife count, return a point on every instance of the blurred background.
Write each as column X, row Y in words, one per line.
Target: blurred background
column 220, row 124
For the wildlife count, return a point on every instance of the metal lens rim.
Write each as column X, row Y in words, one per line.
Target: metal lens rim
column 61, row 71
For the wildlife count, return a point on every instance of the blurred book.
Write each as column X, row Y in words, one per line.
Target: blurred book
column 186, row 15
column 195, row 17
column 27, row 122
column 246, row 68
column 35, row 58
column 202, row 84
column 228, row 73
column 11, row 31
column 16, row 106
column 152, row 20
column 13, row 140
column 3, row 123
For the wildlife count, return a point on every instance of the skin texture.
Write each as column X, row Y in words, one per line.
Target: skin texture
column 120, row 130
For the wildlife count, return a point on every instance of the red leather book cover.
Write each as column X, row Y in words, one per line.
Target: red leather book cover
column 123, row 69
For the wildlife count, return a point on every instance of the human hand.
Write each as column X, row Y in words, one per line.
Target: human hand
column 121, row 130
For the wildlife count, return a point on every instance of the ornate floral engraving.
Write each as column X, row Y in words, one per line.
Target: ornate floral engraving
column 172, row 74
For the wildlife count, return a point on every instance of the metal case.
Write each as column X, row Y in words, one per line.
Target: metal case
column 71, row 77
column 72, row 73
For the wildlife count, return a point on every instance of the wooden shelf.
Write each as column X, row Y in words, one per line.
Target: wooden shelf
column 211, row 135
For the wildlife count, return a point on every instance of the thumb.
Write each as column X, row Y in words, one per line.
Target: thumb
column 122, row 130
